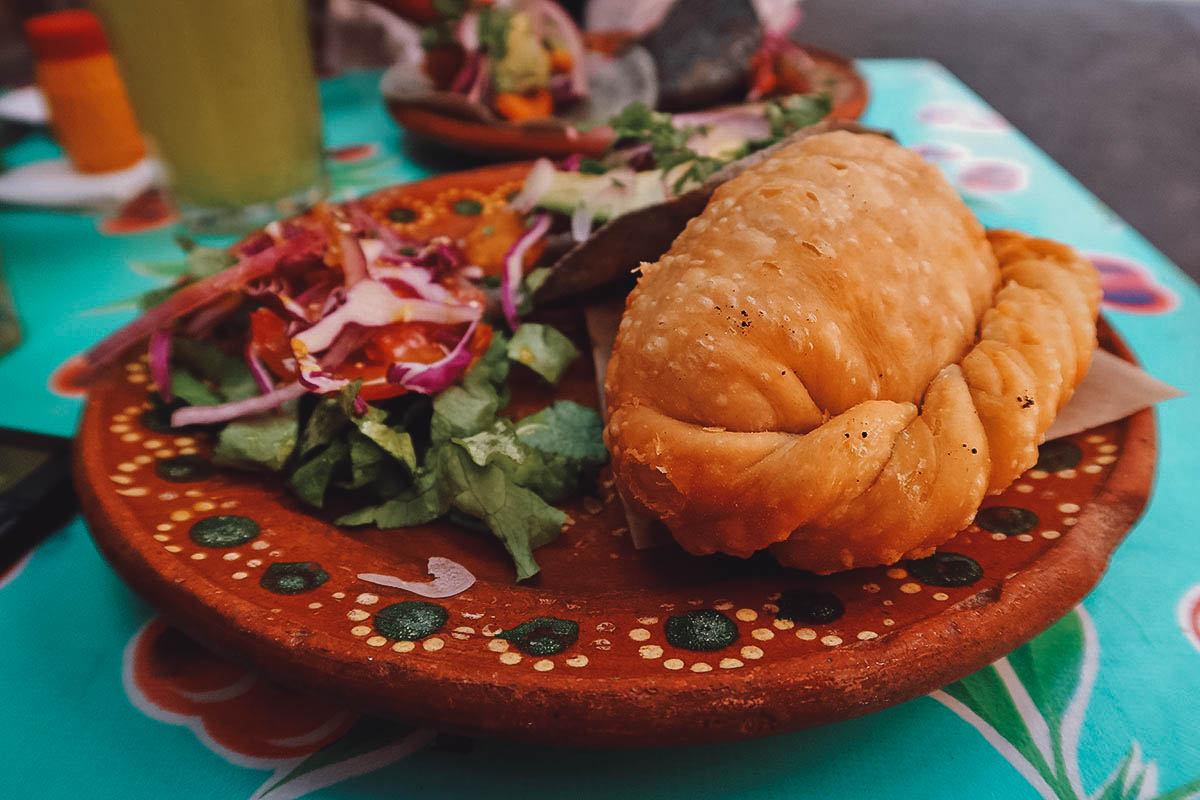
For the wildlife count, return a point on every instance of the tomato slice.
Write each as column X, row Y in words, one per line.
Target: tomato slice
column 268, row 334
column 421, row 342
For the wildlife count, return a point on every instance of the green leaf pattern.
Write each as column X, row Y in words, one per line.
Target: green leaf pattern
column 1031, row 705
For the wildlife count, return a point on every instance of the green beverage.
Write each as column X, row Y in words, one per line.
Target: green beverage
column 226, row 93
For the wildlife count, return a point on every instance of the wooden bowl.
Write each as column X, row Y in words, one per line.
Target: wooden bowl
column 608, row 646
column 503, row 140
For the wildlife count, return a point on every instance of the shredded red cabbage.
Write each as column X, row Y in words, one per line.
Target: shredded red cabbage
column 223, row 412
column 514, row 264
column 371, row 304
column 160, row 363
column 257, row 369
column 430, row 378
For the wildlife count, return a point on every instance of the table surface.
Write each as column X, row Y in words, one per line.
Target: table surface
column 102, row 698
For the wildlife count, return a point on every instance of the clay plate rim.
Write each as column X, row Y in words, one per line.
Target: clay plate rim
column 504, row 140
column 774, row 697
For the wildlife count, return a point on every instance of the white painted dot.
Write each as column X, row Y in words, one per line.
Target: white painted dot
column 639, row 634
column 730, row 663
column 204, row 505
column 648, row 620
column 650, row 651
column 433, row 644
column 360, row 630
column 1051, row 534
column 367, row 599
column 254, row 563
column 783, row 624
column 807, row 634
column 888, row 621
column 1092, row 469
column 897, row 573
column 1038, row 474
column 1070, row 521
column 673, row 663
column 315, row 605
column 231, row 556
column 1106, row 448
column 357, row 615
column 498, row 645
column 1095, row 438
column 173, row 548
column 1066, row 473
column 701, row 666
column 867, row 635
column 404, row 647
column 1024, row 537
column 377, row 641
column 164, row 526
column 510, row 658
column 870, row 588
column 832, row 640
column 1023, row 488
column 338, row 595
column 122, row 480
column 1068, row 508
column 763, row 634
column 910, row 587
column 577, row 661
column 752, row 652
column 543, row 665
column 1099, row 460
column 131, row 437
column 261, row 545
column 746, row 614
column 240, row 576
column 199, row 556
column 940, row 596
column 998, row 537
column 722, row 605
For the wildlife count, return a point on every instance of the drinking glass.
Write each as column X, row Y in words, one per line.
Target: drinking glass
column 226, row 94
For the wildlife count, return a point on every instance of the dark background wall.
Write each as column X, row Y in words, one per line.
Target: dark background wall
column 1109, row 88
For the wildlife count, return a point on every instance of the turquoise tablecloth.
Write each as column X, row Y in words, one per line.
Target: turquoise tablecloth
column 98, row 698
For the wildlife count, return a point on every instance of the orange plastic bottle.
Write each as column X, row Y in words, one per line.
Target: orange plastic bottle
column 89, row 109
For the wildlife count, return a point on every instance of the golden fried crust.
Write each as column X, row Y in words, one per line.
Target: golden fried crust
column 835, row 361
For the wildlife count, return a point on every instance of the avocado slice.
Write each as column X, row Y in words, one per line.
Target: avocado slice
column 609, row 195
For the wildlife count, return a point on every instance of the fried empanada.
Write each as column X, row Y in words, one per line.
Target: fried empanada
column 834, row 360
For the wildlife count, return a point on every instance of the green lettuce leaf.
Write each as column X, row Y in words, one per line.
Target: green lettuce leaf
column 263, row 442
column 543, row 349
column 311, row 479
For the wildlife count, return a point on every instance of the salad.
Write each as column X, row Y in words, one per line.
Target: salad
column 368, row 369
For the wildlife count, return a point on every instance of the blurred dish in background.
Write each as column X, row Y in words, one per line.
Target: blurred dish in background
column 484, row 79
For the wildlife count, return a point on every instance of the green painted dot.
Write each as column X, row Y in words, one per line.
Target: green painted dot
column 946, row 569
column 543, row 636
column 410, row 620
column 703, row 629
column 799, row 605
column 225, row 530
column 401, row 214
column 1056, row 455
column 183, row 469
column 295, row 577
column 468, row 207
column 157, row 418
column 1008, row 520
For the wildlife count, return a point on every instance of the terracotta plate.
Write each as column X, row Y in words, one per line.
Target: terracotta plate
column 506, row 140
column 609, row 645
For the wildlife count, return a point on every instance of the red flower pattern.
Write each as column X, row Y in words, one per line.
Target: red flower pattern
column 247, row 719
column 1128, row 286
